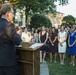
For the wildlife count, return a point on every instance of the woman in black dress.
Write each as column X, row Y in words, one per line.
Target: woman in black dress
column 53, row 45
column 43, row 37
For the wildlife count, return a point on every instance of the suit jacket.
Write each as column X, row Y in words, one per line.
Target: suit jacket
column 8, row 39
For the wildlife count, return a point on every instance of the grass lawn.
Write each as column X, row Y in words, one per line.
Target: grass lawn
column 58, row 69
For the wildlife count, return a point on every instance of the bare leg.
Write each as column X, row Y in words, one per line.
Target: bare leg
column 60, row 58
column 50, row 56
column 63, row 57
column 40, row 56
column 55, row 57
column 44, row 54
column 73, row 60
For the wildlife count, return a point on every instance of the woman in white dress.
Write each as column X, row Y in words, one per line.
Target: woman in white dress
column 62, row 36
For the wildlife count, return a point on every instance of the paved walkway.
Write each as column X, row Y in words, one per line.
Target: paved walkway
column 44, row 69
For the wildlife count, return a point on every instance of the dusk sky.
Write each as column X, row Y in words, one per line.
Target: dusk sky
column 69, row 9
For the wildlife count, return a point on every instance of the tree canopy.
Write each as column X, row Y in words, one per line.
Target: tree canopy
column 40, row 5
column 68, row 20
column 38, row 20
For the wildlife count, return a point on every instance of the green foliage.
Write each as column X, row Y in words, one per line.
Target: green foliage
column 75, row 21
column 40, row 5
column 40, row 20
column 62, row 2
column 58, row 69
column 68, row 20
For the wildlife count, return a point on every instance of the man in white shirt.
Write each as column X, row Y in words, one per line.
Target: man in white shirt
column 26, row 36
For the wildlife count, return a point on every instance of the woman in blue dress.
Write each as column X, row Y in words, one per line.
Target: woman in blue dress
column 43, row 37
column 36, row 36
column 72, row 45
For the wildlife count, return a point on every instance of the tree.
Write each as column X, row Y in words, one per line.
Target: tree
column 38, row 20
column 68, row 20
column 75, row 21
column 39, row 6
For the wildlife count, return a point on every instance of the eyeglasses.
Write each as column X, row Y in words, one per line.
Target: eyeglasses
column 12, row 12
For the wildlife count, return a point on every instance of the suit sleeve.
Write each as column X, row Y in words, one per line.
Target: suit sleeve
column 12, row 35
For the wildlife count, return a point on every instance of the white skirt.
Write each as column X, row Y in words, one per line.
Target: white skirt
column 62, row 49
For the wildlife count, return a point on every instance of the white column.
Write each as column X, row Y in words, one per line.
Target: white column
column 24, row 20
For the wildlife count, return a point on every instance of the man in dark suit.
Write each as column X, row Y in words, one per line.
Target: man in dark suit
column 8, row 39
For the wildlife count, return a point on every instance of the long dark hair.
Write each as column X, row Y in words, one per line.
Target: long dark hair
column 50, row 32
column 53, row 28
column 0, row 15
column 41, row 30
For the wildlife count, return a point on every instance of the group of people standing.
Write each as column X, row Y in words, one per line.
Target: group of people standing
column 56, row 42
column 59, row 41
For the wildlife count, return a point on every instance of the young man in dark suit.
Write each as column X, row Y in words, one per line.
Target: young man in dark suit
column 8, row 39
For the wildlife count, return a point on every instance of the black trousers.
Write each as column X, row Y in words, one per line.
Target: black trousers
column 12, row 70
